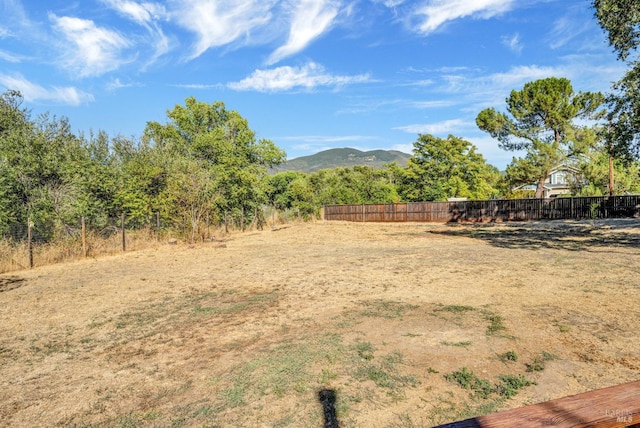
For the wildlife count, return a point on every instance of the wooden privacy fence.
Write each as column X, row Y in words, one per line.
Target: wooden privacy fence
column 488, row 211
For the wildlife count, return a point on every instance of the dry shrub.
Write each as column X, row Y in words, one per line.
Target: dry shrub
column 15, row 255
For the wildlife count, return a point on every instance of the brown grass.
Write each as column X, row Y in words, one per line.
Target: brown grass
column 409, row 323
column 15, row 256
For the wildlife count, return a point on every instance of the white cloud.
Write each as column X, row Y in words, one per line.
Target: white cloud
column 9, row 57
column 438, row 12
column 519, row 75
column 513, row 42
column 566, row 29
column 309, row 76
column 200, row 86
column 445, row 127
column 116, row 84
column 220, row 22
column 34, row 92
column 145, row 14
column 368, row 104
column 310, row 19
column 142, row 13
column 94, row 50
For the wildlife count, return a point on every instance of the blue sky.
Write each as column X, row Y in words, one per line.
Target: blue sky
column 308, row 74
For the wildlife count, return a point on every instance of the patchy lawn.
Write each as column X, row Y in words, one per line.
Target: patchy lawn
column 411, row 324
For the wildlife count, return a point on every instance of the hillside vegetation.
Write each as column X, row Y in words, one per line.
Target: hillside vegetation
column 344, row 157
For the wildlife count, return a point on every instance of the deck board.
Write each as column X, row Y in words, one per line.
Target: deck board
column 614, row 407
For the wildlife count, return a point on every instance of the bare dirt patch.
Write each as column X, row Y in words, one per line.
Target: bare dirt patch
column 411, row 324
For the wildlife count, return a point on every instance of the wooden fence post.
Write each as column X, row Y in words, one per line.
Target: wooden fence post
column 84, row 238
column 124, row 242
column 30, row 243
column 157, row 225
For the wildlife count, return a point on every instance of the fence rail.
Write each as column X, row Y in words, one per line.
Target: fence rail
column 490, row 211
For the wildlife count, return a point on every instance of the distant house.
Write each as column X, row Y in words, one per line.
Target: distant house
column 562, row 180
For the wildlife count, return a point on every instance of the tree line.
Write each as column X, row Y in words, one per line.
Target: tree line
column 205, row 166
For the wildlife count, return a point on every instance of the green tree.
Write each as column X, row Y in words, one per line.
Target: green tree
column 355, row 185
column 142, row 178
column 540, row 120
column 221, row 142
column 289, row 189
column 15, row 130
column 444, row 168
column 620, row 19
column 595, row 170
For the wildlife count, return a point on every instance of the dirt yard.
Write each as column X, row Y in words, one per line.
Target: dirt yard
column 397, row 318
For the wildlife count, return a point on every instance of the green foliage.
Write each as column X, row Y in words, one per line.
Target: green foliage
column 496, row 323
column 620, row 19
column 49, row 174
column 218, row 158
column 465, row 378
column 204, row 166
column 537, row 365
column 540, row 120
column 344, row 158
column 508, row 356
column 507, row 387
column 444, row 168
column 291, row 190
column 595, row 169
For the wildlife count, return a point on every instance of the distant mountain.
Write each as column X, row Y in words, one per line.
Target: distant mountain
column 346, row 157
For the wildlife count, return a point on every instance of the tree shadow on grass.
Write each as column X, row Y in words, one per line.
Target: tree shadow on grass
column 559, row 235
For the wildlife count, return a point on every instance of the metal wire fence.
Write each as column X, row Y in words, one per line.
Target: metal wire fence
column 35, row 243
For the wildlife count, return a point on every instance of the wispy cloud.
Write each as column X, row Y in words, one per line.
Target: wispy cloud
column 147, row 15
column 116, row 84
column 368, row 104
column 476, row 90
column 220, row 22
column 390, row 3
column 142, row 13
column 309, row 20
column 438, row 128
column 513, row 42
column 9, row 57
column 565, row 30
column 34, row 92
column 95, row 50
column 309, row 76
column 517, row 76
column 200, row 86
column 15, row 15
column 436, row 13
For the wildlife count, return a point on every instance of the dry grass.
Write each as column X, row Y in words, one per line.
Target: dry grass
column 15, row 256
column 411, row 324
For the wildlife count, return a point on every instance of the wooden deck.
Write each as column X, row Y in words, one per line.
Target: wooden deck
column 613, row 407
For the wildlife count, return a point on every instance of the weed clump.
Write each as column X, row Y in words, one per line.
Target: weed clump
column 507, row 386
column 508, row 356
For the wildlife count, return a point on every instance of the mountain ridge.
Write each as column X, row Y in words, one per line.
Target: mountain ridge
column 343, row 157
